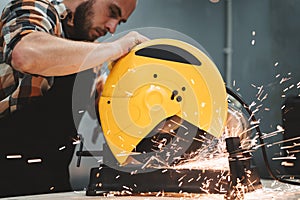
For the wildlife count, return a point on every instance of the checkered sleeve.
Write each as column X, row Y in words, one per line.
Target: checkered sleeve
column 23, row 17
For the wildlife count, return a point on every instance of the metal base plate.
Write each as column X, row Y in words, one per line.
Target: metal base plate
column 104, row 180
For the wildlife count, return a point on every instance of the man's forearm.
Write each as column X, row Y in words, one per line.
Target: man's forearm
column 47, row 55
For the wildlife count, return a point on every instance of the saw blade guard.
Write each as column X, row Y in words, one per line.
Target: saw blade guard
column 157, row 80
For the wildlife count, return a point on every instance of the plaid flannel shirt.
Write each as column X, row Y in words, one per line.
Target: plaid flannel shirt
column 19, row 18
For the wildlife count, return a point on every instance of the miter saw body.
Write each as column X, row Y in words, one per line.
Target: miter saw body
column 156, row 81
column 160, row 103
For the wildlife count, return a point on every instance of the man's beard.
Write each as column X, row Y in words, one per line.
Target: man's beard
column 82, row 21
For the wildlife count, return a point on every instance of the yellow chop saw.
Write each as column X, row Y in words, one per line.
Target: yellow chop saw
column 160, row 104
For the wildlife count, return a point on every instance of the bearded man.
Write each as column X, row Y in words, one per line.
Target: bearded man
column 44, row 44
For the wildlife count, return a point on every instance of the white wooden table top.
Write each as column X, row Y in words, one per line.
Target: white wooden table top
column 271, row 190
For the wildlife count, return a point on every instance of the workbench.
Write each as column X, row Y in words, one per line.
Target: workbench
column 271, row 190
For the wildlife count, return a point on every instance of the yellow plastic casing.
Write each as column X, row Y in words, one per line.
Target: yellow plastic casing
column 139, row 94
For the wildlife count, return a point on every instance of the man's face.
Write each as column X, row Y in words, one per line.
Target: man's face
column 94, row 18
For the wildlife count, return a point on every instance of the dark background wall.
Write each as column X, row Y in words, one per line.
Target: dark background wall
column 273, row 55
